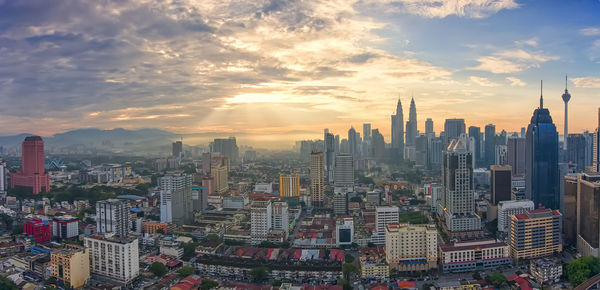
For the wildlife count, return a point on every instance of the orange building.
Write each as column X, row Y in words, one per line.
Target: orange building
column 151, row 227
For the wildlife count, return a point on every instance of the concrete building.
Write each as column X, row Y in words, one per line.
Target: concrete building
column 373, row 264
column 344, row 173
column 453, row 128
column 261, row 223
column 71, row 265
column 112, row 216
column 508, row 208
column 501, row 183
column 535, row 233
column 588, row 213
column 411, row 248
column 458, row 202
column 220, row 175
column 280, row 217
column 344, row 231
column 570, row 210
column 152, row 227
column 114, row 258
column 177, row 149
column 33, row 173
column 515, row 151
column 235, row 201
column 475, row 255
column 546, row 271
column 340, row 203
column 317, row 179
column 226, row 147
column 175, row 197
column 65, row 227
column 38, row 229
column 289, row 185
column 384, row 215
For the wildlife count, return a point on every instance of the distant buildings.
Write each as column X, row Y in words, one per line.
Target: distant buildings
column 411, row 248
column 398, row 133
column 474, row 255
column 535, row 233
column 490, row 145
column 219, row 171
column 542, row 180
column 475, row 133
column 596, row 147
column 516, row 155
column 453, row 128
column 227, row 147
column 33, row 173
column 71, row 266
column 411, row 124
column 178, row 149
column 344, row 173
column 112, row 216
column 317, row 179
column 576, row 151
column 113, row 257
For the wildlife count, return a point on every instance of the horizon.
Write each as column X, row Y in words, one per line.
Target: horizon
column 273, row 73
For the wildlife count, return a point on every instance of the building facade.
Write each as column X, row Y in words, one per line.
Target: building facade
column 344, row 172
column 474, row 255
column 535, row 233
column 71, row 265
column 112, row 216
column 65, row 227
column 515, row 151
column 411, row 248
column 508, row 208
column 384, row 215
column 289, row 185
column 114, row 258
column 588, row 214
column 38, row 229
column 33, row 173
column 501, row 183
column 317, row 179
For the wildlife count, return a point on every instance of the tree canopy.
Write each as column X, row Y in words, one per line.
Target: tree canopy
column 185, row 271
column 579, row 270
column 259, row 274
column 158, row 269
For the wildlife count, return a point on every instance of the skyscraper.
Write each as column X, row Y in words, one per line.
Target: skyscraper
column 515, row 152
column 175, row 197
column 596, row 147
column 33, row 173
column 588, row 214
column 429, row 127
column 452, row 129
column 227, row 147
column 316, row 178
column 542, row 181
column 367, row 151
column 398, row 133
column 411, row 125
column 344, row 173
column 501, row 183
column 457, row 181
column 352, row 142
column 178, row 149
column 112, row 216
column 490, row 145
column 575, row 150
column 329, row 157
column 475, row 133
column 366, row 131
column 378, row 145
column 566, row 97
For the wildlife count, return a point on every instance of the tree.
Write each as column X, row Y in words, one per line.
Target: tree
column 208, row 284
column 349, row 269
column 189, row 250
column 7, row 284
column 349, row 258
column 7, row 220
column 185, row 271
column 160, row 231
column 212, row 238
column 371, row 245
column 498, row 280
column 259, row 274
column 426, row 286
column 158, row 269
column 356, row 199
column 276, row 283
column 579, row 270
column 345, row 284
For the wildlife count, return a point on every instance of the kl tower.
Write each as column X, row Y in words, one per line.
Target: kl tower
column 566, row 97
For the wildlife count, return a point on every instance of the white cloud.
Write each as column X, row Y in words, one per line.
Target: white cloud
column 445, row 8
column 587, row 82
column 484, row 82
column 533, row 42
column 590, row 31
column 515, row 82
column 512, row 61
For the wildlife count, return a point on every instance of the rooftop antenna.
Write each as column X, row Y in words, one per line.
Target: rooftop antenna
column 541, row 94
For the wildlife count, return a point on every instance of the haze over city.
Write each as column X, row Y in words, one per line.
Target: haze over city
column 271, row 72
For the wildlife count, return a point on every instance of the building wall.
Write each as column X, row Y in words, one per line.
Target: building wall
column 289, row 185
column 116, row 260
column 71, row 266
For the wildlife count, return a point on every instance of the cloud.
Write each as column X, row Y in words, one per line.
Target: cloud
column 515, row 82
column 590, row 31
column 533, row 42
column 445, row 8
column 512, row 61
column 484, row 82
column 586, row 82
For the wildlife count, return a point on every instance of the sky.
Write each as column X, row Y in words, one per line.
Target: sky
column 276, row 71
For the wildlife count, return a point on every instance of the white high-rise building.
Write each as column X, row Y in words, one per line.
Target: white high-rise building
column 458, row 201
column 507, row 208
column 261, row 223
column 112, row 216
column 384, row 215
column 411, row 248
column 113, row 257
column 280, row 218
column 3, row 176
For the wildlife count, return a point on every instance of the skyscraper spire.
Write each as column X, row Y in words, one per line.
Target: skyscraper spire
column 566, row 97
column 541, row 94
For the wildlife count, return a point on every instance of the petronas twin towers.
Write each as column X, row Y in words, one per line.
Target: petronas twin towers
column 398, row 132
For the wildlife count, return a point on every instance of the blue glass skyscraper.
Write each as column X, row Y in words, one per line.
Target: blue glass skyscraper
column 542, row 182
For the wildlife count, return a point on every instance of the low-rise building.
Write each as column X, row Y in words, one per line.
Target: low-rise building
column 373, row 264
column 546, row 270
column 65, row 227
column 38, row 229
column 151, row 227
column 474, row 255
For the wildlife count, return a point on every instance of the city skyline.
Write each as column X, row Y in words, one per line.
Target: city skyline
column 280, row 72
